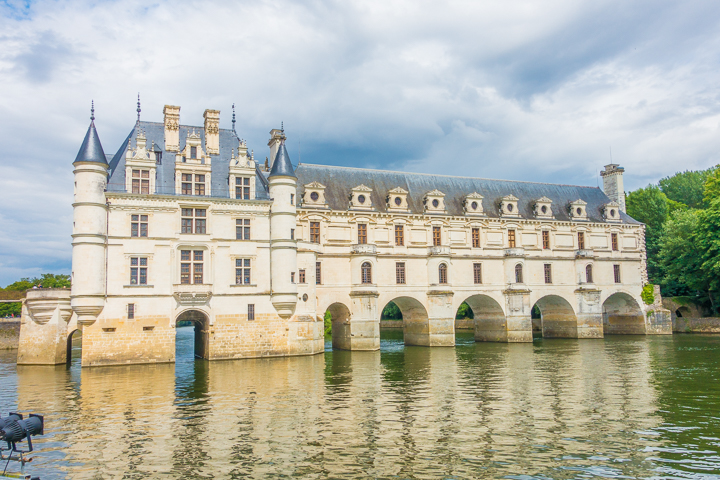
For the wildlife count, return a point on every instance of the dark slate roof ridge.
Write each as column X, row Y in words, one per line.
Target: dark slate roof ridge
column 398, row 172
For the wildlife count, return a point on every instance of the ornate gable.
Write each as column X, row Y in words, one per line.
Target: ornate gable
column 397, row 200
column 578, row 209
column 434, row 202
column 314, row 195
column 473, row 204
column 508, row 206
column 360, row 198
column 543, row 208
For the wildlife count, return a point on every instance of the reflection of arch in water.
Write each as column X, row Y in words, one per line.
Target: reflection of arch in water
column 340, row 317
column 415, row 320
column 490, row 324
column 622, row 315
column 77, row 339
column 202, row 331
column 557, row 317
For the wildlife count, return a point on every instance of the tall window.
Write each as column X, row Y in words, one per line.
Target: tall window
column 366, row 272
column 476, row 238
column 318, row 273
column 315, row 232
column 477, row 273
column 193, row 220
column 546, row 239
column 242, row 271
column 616, row 272
column 131, row 311
column 400, row 273
column 199, row 184
column 519, row 273
column 138, row 271
column 139, row 226
column 186, row 185
column 301, row 276
column 191, row 266
column 548, row 273
column 399, row 235
column 511, row 240
column 437, row 236
column 442, row 274
column 362, row 233
column 251, row 311
column 242, row 188
column 141, row 181
column 588, row 274
column 193, row 152
column 614, row 241
column 242, row 229
column 581, row 240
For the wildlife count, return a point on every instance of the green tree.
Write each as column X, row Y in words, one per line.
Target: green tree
column 650, row 206
column 464, row 311
column 9, row 309
column 712, row 186
column 391, row 312
column 679, row 254
column 686, row 187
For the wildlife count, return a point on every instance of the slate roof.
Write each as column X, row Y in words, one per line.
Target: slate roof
column 282, row 165
column 341, row 180
column 165, row 182
column 91, row 150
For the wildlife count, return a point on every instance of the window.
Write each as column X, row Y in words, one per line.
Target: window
column 292, row 199
column 251, row 311
column 139, row 226
column 315, row 232
column 477, row 273
column 186, row 185
column 292, row 277
column 242, row 229
column 614, row 241
column 588, row 274
column 292, row 234
column 581, row 240
column 242, row 188
column 138, row 271
column 193, row 152
column 191, row 266
column 301, row 275
column 193, row 217
column 141, row 181
column 476, row 238
column 131, row 311
column 366, row 272
column 437, row 236
column 318, row 273
column 519, row 273
column 548, row 273
column 399, row 235
column 199, row 184
column 362, row 233
column 442, row 274
column 546, row 239
column 511, row 239
column 616, row 272
column 400, row 273
column 242, row 271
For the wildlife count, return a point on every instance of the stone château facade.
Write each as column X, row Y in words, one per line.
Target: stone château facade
column 182, row 223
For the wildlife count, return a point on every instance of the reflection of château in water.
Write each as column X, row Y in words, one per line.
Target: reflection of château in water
column 182, row 224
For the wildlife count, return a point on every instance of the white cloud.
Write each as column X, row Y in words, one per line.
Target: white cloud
column 514, row 89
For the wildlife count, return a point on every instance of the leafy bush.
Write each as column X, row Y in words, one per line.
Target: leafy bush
column 648, row 294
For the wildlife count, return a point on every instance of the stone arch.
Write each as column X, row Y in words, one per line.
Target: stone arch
column 415, row 319
column 340, row 317
column 201, row 323
column 69, row 347
column 557, row 317
column 622, row 315
column 683, row 312
column 489, row 320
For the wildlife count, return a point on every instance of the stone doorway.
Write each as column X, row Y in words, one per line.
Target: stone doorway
column 201, row 325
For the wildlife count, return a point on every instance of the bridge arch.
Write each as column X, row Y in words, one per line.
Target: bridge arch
column 489, row 320
column 340, row 319
column 415, row 319
column 201, row 324
column 622, row 315
column 73, row 341
column 557, row 318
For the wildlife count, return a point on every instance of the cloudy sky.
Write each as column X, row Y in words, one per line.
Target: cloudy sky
column 525, row 90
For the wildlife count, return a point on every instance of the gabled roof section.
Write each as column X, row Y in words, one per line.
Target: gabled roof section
column 282, row 165
column 91, row 149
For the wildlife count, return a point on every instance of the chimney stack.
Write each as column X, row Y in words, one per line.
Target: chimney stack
column 212, row 131
column 613, row 184
column 276, row 136
column 172, row 127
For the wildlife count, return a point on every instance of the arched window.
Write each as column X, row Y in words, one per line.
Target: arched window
column 366, row 271
column 442, row 273
column 588, row 274
column 519, row 273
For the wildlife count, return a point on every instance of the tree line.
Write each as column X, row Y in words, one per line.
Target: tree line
column 16, row 291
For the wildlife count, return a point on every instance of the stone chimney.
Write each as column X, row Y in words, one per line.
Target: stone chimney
column 212, row 132
column 276, row 136
column 613, row 184
column 172, row 127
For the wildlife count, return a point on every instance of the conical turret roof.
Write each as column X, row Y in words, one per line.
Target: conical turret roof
column 282, row 165
column 91, row 149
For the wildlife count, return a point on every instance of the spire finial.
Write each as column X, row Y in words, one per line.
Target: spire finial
column 92, row 110
column 233, row 120
column 282, row 127
column 138, row 109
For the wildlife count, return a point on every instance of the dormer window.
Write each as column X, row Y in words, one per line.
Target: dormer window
column 577, row 210
column 193, row 169
column 360, row 198
column 434, row 202
column 242, row 188
column 473, row 204
column 508, row 206
column 611, row 212
column 314, row 195
column 141, row 182
column 193, row 152
column 397, row 200
column 543, row 208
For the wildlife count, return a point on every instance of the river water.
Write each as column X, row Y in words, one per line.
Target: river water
column 621, row 407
